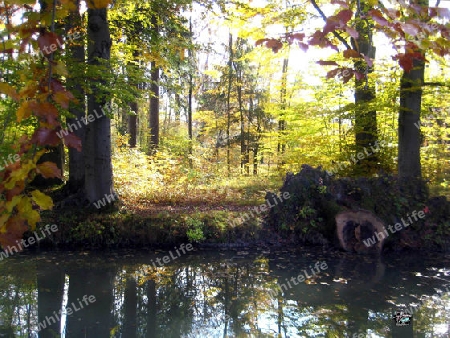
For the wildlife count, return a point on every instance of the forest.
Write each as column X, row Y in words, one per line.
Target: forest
column 212, row 168
column 157, row 121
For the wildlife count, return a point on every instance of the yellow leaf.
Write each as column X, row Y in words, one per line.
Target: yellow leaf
column 3, row 219
column 60, row 68
column 24, row 111
column 97, row 4
column 11, row 204
column 32, row 218
column 8, row 90
column 19, row 175
column 45, row 202
column 24, row 206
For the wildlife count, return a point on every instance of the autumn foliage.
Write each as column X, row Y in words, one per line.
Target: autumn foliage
column 410, row 30
column 39, row 101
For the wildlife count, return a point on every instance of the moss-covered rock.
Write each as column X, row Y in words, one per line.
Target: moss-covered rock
column 317, row 197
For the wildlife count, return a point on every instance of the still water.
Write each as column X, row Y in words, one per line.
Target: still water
column 242, row 293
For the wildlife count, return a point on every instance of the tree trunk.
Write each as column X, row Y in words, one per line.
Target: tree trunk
column 152, row 310
column 283, row 94
column 50, row 285
column 244, row 165
column 366, row 133
column 99, row 176
column 355, row 227
column 77, row 55
column 154, row 97
column 230, row 78
column 132, row 124
column 189, row 110
column 409, row 118
column 130, row 308
column 132, row 118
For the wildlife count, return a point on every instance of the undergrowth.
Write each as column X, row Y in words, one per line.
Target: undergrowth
column 165, row 179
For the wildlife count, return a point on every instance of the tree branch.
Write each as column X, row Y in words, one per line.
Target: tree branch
column 324, row 17
column 436, row 84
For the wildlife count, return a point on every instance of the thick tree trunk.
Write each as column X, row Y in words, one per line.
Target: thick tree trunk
column 366, row 133
column 77, row 55
column 99, row 176
column 409, row 118
column 355, row 227
column 130, row 308
column 50, row 285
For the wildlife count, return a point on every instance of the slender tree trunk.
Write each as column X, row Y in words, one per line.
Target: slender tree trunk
column 132, row 118
column 177, row 108
column 99, row 176
column 132, row 124
column 76, row 52
column 154, row 108
column 151, row 309
column 241, row 116
column 154, row 98
column 189, row 110
column 230, row 78
column 282, row 122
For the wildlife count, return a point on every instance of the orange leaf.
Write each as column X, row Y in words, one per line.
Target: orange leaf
column 15, row 228
column 46, row 110
column 351, row 53
column 48, row 170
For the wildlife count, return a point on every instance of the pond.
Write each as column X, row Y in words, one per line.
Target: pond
column 185, row 292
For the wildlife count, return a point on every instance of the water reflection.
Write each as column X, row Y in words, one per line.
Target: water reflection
column 222, row 294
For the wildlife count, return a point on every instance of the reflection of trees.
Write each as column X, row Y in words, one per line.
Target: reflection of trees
column 17, row 297
column 191, row 297
column 95, row 319
column 50, row 285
